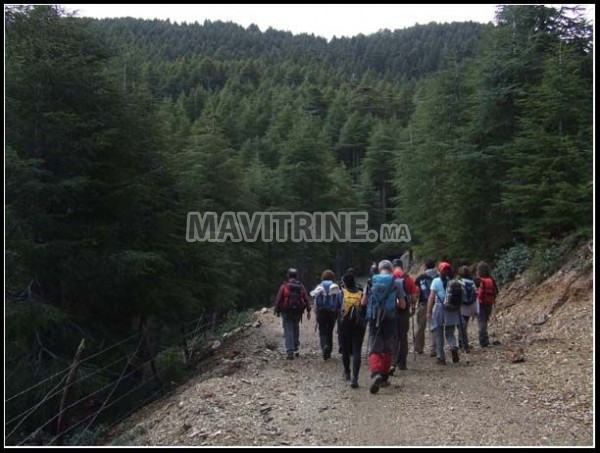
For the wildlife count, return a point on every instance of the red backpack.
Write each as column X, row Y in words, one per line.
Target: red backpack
column 487, row 291
column 292, row 297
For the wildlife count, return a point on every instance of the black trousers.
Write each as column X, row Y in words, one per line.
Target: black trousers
column 400, row 348
column 326, row 321
column 352, row 335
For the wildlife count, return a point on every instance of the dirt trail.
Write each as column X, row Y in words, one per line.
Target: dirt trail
column 255, row 397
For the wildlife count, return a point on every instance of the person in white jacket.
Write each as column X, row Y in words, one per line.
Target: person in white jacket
column 328, row 303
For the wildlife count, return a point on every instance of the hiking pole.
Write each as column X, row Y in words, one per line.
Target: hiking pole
column 463, row 333
column 413, row 332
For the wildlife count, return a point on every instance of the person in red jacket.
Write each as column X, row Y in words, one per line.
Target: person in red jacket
column 400, row 349
column 290, row 303
column 486, row 297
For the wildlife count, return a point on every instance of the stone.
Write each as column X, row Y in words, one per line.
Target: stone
column 515, row 354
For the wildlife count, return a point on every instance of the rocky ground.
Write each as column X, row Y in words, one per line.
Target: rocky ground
column 249, row 395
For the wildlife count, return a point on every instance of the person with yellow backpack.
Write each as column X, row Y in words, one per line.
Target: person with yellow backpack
column 352, row 327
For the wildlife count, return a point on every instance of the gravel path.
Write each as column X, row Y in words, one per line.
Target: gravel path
column 252, row 396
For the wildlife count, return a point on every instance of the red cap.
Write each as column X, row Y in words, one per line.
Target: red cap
column 444, row 266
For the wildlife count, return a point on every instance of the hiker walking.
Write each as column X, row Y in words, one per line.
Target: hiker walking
column 353, row 272
column 352, row 327
column 443, row 310
column 400, row 348
column 382, row 298
column 290, row 303
column 486, row 296
column 423, row 283
column 469, row 308
column 328, row 301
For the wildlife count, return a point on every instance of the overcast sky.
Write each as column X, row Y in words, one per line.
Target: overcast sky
column 322, row 20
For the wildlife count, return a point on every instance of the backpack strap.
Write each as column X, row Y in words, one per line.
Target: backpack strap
column 445, row 286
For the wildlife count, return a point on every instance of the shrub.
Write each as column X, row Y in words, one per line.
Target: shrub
column 511, row 262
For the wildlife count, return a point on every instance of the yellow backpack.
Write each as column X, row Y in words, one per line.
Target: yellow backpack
column 351, row 300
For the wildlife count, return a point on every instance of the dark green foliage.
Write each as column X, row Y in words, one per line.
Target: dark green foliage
column 473, row 135
column 511, row 262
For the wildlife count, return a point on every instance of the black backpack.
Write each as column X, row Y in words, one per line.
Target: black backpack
column 454, row 295
column 424, row 282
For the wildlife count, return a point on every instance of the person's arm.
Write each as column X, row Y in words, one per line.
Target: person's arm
column 480, row 291
column 365, row 297
column 414, row 292
column 430, row 302
column 279, row 300
column 304, row 296
column 400, row 295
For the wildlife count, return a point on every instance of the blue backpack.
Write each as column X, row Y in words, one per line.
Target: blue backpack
column 470, row 290
column 382, row 298
column 326, row 301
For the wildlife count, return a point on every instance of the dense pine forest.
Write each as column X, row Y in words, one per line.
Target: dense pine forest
column 478, row 136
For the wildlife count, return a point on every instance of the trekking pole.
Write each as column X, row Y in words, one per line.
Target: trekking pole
column 463, row 333
column 413, row 332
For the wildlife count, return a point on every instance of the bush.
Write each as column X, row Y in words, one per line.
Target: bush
column 86, row 437
column 511, row 262
column 549, row 257
column 170, row 364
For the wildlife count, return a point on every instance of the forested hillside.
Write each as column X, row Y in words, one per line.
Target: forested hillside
column 476, row 136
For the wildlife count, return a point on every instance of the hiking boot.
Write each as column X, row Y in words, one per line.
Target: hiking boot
column 375, row 382
column 432, row 354
column 354, row 383
column 440, row 361
column 347, row 375
column 326, row 356
column 297, row 353
column 455, row 357
column 290, row 357
column 392, row 370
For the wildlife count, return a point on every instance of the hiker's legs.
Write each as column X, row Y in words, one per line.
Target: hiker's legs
column 345, row 336
column 339, row 334
column 431, row 334
column 326, row 325
column 420, row 328
column 297, row 317
column 484, row 314
column 462, row 331
column 388, row 327
column 438, row 333
column 396, row 342
column 332, row 321
column 465, row 334
column 358, row 335
column 380, row 355
column 450, row 338
column 287, row 320
column 404, row 327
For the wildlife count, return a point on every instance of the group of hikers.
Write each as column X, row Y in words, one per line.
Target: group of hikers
column 442, row 300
